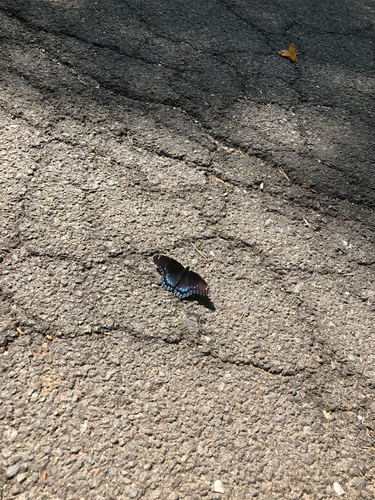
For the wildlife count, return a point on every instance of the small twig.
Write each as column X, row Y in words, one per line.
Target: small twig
column 217, row 179
column 200, row 253
column 307, row 223
column 306, row 186
column 20, row 332
column 284, row 174
column 324, row 162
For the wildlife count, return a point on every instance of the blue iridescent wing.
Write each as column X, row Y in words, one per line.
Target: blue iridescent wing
column 172, row 272
column 191, row 284
column 179, row 279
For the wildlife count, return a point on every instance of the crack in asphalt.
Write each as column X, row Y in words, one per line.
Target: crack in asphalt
column 40, row 326
column 223, row 142
column 295, row 365
column 205, row 351
column 220, row 142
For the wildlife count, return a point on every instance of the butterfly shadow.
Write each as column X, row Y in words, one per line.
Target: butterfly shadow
column 202, row 301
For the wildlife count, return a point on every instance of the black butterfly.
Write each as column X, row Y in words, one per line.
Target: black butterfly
column 179, row 279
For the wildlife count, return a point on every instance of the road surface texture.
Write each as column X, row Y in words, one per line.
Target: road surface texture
column 131, row 128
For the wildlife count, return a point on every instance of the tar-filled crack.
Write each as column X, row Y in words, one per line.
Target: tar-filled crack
column 20, row 200
column 366, row 263
column 17, row 114
column 10, row 336
column 210, row 353
column 167, row 102
column 106, row 46
column 39, row 326
column 45, row 332
column 271, row 370
column 221, row 142
column 267, row 157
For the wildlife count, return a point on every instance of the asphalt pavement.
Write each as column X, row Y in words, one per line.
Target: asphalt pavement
column 131, row 129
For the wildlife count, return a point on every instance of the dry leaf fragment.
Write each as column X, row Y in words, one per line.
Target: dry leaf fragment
column 290, row 53
column 43, row 477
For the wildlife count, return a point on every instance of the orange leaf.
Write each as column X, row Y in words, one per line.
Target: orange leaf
column 43, row 477
column 290, row 53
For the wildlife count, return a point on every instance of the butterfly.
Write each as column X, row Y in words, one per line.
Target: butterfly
column 179, row 279
column 290, row 53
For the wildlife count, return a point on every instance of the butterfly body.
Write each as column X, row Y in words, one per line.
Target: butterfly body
column 179, row 279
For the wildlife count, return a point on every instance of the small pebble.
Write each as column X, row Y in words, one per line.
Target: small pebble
column 21, row 477
column 309, row 460
column 338, row 489
column 359, row 483
column 131, row 492
column 12, row 471
column 218, row 486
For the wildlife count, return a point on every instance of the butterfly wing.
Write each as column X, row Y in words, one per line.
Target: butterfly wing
column 171, row 271
column 191, row 284
column 178, row 279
